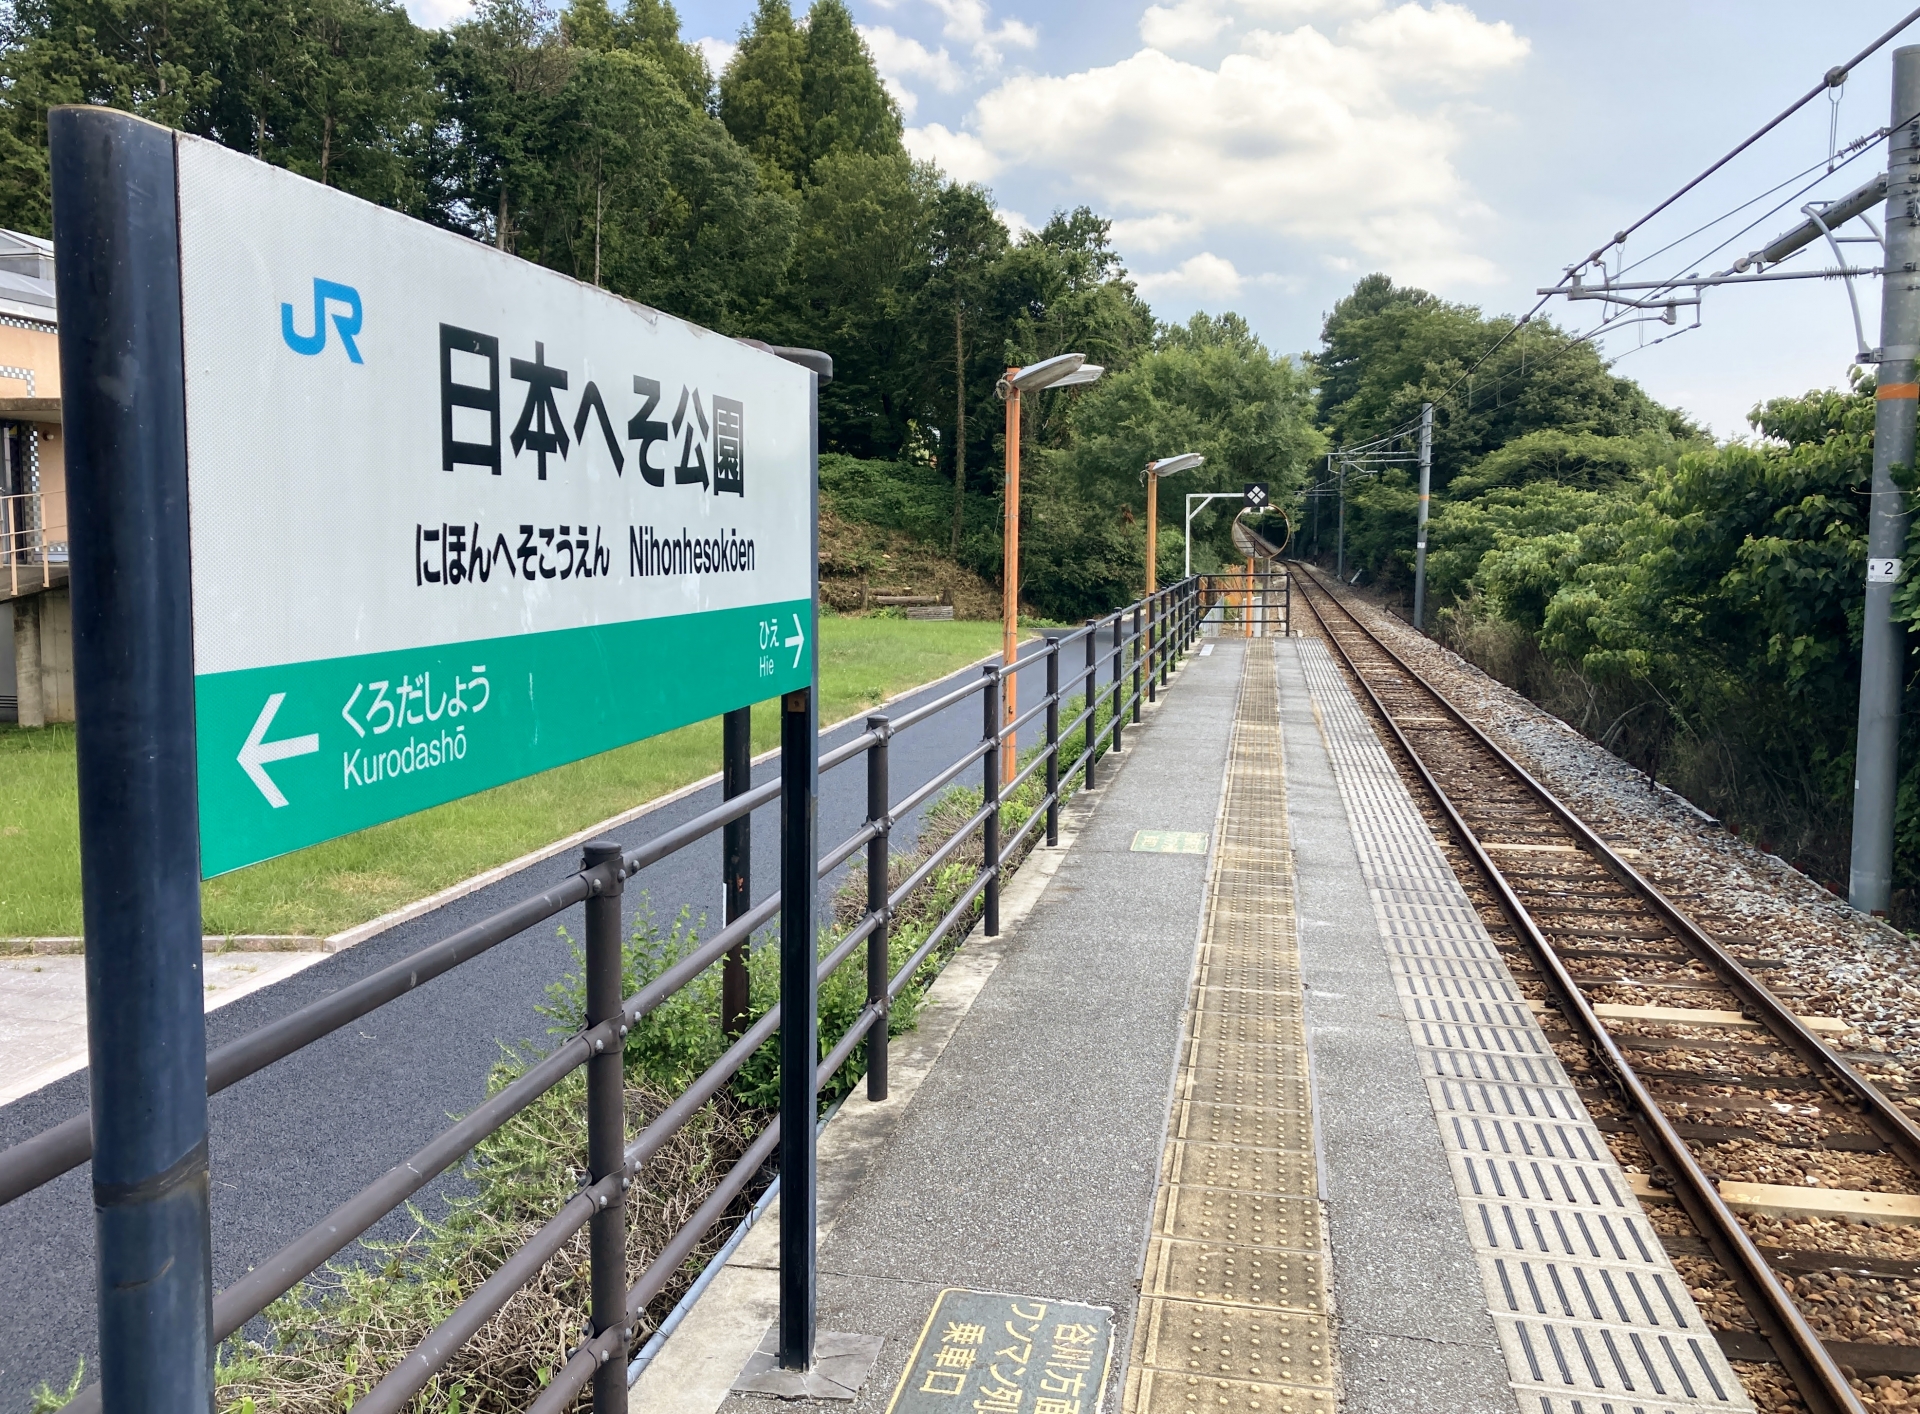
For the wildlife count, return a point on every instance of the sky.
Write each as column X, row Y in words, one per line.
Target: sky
column 1261, row 155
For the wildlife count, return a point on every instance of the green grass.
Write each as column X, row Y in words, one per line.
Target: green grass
column 346, row 881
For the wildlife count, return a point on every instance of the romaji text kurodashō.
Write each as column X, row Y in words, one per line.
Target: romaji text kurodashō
column 704, row 438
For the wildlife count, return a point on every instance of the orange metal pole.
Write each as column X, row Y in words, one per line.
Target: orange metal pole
column 1010, row 579
column 1153, row 530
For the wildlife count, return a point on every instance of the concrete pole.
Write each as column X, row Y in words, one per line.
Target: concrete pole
column 1883, row 650
column 26, row 661
column 1420, row 533
column 1010, row 583
column 1340, row 555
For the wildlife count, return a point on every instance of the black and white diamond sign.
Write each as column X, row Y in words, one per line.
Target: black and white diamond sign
column 1257, row 495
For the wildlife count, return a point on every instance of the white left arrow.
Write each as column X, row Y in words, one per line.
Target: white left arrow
column 258, row 751
column 798, row 642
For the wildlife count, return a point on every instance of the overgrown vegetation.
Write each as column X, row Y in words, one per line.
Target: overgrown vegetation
column 1694, row 608
column 332, row 1338
column 775, row 199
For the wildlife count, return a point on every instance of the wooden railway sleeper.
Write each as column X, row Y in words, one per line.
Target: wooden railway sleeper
column 1813, row 1370
column 1892, row 1124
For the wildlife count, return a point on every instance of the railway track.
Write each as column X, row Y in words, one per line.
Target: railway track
column 1703, row 1078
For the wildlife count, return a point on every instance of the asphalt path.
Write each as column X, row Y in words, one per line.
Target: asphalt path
column 295, row 1140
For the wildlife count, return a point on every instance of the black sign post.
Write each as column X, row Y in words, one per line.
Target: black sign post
column 799, row 959
column 117, row 272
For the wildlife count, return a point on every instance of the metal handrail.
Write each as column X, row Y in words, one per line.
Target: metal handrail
column 29, row 546
column 1146, row 637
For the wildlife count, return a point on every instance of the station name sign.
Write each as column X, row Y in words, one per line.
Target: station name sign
column 456, row 518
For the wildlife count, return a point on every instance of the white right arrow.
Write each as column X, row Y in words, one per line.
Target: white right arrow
column 798, row 642
column 258, row 751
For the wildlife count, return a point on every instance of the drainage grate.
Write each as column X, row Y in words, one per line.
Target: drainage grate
column 1589, row 1310
column 1233, row 1309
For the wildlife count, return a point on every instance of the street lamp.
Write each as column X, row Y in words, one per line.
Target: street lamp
column 1061, row 371
column 1166, row 466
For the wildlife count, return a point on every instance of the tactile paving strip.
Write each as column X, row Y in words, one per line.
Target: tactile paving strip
column 1233, row 1302
column 1588, row 1308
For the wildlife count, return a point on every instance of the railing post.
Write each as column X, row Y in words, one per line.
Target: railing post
column 799, row 1025
column 1153, row 661
column 879, row 961
column 1090, row 740
column 1119, row 678
column 990, row 798
column 607, row 1122
column 1289, row 603
column 1136, row 665
column 1053, row 739
column 736, row 848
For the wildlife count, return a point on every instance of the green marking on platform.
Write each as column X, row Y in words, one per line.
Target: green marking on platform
column 983, row 1350
column 1169, row 842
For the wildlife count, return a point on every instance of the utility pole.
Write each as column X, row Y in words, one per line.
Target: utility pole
column 1420, row 534
column 1340, row 554
column 1883, row 646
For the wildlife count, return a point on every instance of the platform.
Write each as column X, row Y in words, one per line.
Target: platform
column 1275, row 1113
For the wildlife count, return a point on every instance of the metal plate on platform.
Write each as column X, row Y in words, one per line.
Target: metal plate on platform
column 1168, row 842
column 999, row 1354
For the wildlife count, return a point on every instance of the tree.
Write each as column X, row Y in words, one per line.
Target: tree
column 862, row 238
column 1388, row 349
column 843, row 105
column 761, row 94
column 1208, row 386
column 337, row 90
column 648, row 27
column 965, row 241
column 502, row 72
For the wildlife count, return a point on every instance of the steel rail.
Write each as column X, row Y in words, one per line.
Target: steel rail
column 1888, row 1120
column 1812, row 1368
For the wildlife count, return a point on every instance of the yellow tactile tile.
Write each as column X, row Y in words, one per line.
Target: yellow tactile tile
column 1233, row 1301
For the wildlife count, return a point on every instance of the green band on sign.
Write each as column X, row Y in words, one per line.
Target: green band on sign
column 302, row 752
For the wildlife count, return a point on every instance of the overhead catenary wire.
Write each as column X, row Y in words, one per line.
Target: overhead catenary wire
column 1833, row 78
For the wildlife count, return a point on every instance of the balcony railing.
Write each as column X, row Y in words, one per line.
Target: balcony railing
column 33, row 549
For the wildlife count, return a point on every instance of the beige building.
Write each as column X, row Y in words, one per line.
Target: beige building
column 36, row 670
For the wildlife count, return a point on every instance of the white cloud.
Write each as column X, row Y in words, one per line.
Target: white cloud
column 718, row 52
column 1206, row 276
column 968, row 22
column 1181, row 26
column 900, row 57
column 962, row 156
column 438, row 14
column 1154, row 233
column 1446, row 46
column 1296, row 133
column 1016, row 224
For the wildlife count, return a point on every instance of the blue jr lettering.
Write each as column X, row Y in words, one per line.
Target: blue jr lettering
column 346, row 322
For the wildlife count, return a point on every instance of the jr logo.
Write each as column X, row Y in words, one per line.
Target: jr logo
column 346, row 322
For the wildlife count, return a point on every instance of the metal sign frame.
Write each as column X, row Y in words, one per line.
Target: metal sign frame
column 128, row 367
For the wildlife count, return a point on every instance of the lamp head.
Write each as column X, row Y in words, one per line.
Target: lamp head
column 1085, row 373
column 1167, row 466
column 1043, row 374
